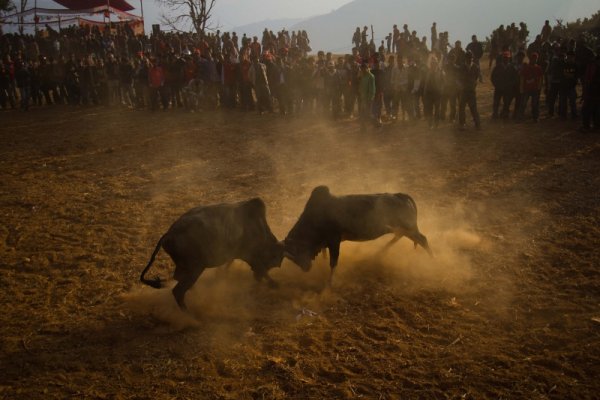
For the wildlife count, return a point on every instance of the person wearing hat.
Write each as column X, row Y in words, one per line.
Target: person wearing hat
column 468, row 75
column 531, row 86
column 366, row 94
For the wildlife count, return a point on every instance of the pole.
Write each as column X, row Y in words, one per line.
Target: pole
column 35, row 17
column 108, row 11
column 143, row 21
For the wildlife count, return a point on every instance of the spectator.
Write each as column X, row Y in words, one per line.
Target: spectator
column 531, row 86
column 366, row 94
column 468, row 75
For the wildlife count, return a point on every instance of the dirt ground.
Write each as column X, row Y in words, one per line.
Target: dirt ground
column 507, row 309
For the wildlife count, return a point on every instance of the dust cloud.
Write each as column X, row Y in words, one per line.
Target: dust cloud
column 302, row 158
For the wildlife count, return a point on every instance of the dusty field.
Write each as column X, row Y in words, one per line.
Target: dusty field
column 505, row 310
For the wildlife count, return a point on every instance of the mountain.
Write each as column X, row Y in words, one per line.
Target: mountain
column 257, row 28
column 461, row 18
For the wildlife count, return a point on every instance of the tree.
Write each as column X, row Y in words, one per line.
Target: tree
column 6, row 6
column 185, row 14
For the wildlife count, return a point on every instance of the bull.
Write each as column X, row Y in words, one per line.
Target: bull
column 210, row 236
column 328, row 220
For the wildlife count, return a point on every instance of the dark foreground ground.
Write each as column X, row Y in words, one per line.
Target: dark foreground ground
column 508, row 308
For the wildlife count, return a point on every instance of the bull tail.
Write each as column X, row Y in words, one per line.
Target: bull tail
column 155, row 283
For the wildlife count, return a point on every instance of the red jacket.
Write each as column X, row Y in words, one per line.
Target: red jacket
column 156, row 76
column 531, row 78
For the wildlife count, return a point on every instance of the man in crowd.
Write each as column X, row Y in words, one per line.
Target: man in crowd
column 468, row 75
column 366, row 94
column 506, row 82
column 531, row 86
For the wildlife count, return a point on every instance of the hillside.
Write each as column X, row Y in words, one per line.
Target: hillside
column 461, row 18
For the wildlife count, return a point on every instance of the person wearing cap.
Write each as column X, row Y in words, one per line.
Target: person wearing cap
column 468, row 75
column 531, row 86
column 366, row 94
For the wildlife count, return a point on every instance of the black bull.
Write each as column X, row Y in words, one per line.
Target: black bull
column 211, row 236
column 328, row 220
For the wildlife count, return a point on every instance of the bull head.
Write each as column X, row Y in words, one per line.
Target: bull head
column 298, row 255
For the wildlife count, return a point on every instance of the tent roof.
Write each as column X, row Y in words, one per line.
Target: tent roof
column 86, row 4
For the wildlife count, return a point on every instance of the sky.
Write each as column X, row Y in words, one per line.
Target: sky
column 230, row 14
column 234, row 13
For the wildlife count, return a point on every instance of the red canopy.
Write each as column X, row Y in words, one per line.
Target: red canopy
column 85, row 4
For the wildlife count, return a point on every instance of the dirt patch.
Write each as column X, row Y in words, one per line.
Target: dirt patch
column 508, row 308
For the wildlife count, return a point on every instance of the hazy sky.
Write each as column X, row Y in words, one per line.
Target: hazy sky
column 232, row 13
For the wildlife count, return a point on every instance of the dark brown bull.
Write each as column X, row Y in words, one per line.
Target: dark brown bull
column 328, row 220
column 210, row 236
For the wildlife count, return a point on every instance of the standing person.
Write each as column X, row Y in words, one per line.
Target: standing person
column 156, row 82
column 388, row 40
column 519, row 65
column 451, row 89
column 476, row 48
column 380, row 88
column 274, row 79
column 350, row 85
column 126, row 74
column 555, row 71
column 399, row 86
column 434, row 36
column 505, row 79
column 141, row 83
column 432, row 92
column 356, row 38
column 112, row 74
column 415, row 83
column 568, row 94
column 246, row 84
column 590, row 110
column 390, row 91
column 546, row 31
column 468, row 75
column 4, row 85
column 333, row 90
column 258, row 77
column 23, row 81
column 531, row 86
column 366, row 94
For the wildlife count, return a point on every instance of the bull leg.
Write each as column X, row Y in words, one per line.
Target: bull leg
column 334, row 254
column 391, row 243
column 260, row 275
column 183, row 285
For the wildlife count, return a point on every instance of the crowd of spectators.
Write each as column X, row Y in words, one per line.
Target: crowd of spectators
column 406, row 77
